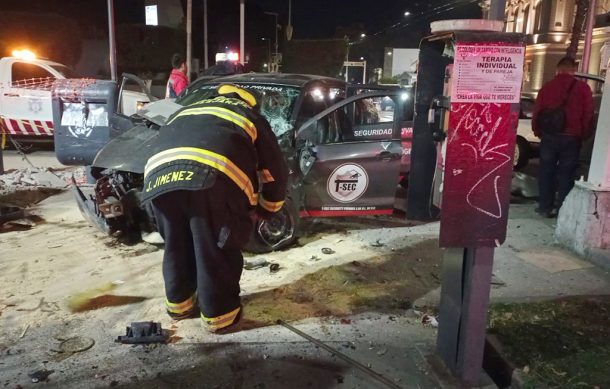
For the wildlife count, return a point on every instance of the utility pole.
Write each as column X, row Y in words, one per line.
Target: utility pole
column 205, row 34
column 276, row 38
column 111, row 40
column 289, row 27
column 586, row 53
column 189, row 33
column 242, row 23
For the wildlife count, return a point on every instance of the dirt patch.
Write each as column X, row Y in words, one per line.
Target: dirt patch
column 387, row 283
column 563, row 343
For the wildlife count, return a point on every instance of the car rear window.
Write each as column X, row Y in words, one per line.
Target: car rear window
column 277, row 102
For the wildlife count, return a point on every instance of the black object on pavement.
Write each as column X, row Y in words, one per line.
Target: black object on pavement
column 144, row 333
column 40, row 375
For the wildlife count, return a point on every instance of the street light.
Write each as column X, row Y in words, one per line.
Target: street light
column 363, row 35
column 389, row 53
column 407, row 13
column 268, row 51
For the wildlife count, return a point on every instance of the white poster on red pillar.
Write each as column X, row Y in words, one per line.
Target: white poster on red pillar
column 487, row 74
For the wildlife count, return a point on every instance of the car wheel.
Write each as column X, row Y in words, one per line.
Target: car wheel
column 279, row 231
column 522, row 153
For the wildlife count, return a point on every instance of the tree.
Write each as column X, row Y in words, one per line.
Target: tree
column 582, row 8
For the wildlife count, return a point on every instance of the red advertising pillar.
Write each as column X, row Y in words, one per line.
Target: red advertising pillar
column 486, row 78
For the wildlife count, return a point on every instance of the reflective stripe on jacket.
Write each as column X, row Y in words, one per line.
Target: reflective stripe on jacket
column 222, row 133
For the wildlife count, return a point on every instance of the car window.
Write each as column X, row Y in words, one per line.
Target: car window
column 66, row 71
column 21, row 71
column 277, row 102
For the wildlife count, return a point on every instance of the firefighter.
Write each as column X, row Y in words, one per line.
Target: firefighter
column 202, row 182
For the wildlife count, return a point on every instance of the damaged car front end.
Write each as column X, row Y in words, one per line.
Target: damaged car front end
column 320, row 129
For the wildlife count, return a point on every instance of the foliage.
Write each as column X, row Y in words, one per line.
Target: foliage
column 322, row 57
column 557, row 344
column 389, row 80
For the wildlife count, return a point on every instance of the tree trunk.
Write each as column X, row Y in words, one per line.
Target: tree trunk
column 582, row 7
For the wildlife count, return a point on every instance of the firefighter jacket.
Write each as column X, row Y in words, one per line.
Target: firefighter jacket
column 218, row 135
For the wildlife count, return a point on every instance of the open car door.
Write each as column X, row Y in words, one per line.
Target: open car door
column 350, row 156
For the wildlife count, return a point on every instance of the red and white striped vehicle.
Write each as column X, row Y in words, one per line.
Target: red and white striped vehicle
column 26, row 91
column 25, row 95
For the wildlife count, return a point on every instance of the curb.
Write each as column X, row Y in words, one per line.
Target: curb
column 496, row 364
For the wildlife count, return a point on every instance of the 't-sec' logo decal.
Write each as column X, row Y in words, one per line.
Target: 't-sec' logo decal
column 347, row 183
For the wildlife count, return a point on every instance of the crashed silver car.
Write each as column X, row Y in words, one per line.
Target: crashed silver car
column 348, row 156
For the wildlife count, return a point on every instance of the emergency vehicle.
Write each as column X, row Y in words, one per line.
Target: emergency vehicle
column 347, row 156
column 26, row 83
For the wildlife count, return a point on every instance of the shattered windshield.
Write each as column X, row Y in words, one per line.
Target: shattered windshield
column 277, row 102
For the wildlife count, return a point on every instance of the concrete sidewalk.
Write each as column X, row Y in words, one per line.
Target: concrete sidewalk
column 529, row 266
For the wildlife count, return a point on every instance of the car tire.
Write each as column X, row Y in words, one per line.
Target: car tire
column 522, row 153
column 280, row 231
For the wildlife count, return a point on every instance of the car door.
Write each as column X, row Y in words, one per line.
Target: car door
column 350, row 156
column 26, row 102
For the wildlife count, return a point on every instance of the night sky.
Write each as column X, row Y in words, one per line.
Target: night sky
column 311, row 18
column 383, row 21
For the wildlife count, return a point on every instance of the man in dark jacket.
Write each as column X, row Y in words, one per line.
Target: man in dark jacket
column 560, row 148
column 203, row 181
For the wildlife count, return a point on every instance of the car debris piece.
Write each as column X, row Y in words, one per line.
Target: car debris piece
column 274, row 267
column 9, row 213
column 144, row 332
column 327, row 251
column 76, row 344
column 429, row 320
column 256, row 263
column 377, row 243
column 40, row 375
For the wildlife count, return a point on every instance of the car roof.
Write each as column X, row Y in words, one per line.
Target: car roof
column 288, row 79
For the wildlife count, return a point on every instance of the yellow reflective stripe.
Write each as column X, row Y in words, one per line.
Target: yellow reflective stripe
column 218, row 322
column 265, row 176
column 182, row 307
column 271, row 206
column 244, row 94
column 208, row 158
column 222, row 113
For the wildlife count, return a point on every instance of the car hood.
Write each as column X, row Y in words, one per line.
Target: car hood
column 159, row 111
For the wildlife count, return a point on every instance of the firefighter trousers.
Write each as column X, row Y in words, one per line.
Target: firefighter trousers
column 204, row 231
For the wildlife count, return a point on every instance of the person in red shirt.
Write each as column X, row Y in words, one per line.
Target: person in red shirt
column 177, row 79
column 560, row 148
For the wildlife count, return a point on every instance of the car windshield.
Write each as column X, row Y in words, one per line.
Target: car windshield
column 66, row 71
column 277, row 102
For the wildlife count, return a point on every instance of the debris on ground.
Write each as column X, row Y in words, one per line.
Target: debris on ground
column 274, row 267
column 429, row 320
column 314, row 258
column 256, row 263
column 327, row 251
column 377, row 243
column 40, row 375
column 76, row 345
column 10, row 213
column 39, row 177
column 144, row 333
